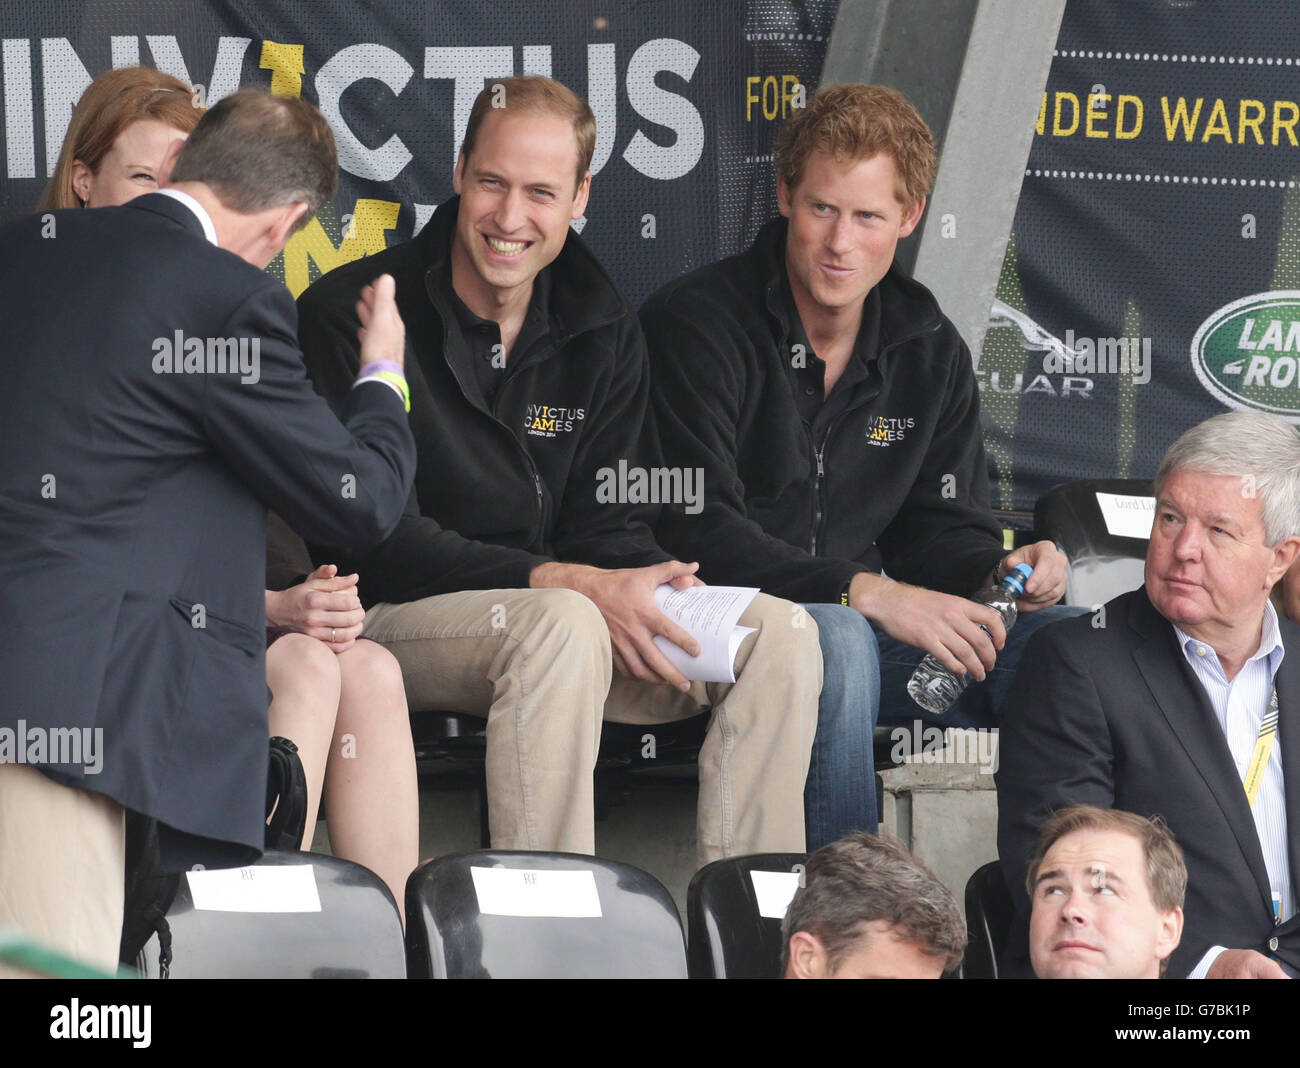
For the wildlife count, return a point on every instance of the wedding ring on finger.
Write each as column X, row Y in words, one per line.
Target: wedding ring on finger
column 334, row 635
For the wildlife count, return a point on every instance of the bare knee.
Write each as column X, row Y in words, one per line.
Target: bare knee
column 371, row 670
column 297, row 665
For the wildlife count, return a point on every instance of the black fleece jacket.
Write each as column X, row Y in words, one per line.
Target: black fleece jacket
column 896, row 482
column 500, row 489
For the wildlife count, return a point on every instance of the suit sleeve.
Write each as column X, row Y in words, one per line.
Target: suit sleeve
column 420, row 558
column 339, row 482
column 1054, row 750
column 287, row 561
column 944, row 537
column 590, row 528
column 702, row 364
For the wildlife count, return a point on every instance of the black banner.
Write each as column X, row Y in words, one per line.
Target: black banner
column 687, row 97
column 1152, row 274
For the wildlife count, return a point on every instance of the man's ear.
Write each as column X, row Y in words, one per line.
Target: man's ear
column 807, row 957
column 82, row 177
column 580, row 197
column 458, row 175
column 784, row 197
column 1171, row 933
column 1284, row 555
column 911, row 217
column 280, row 226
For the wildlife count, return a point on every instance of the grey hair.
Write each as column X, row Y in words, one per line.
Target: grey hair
column 1252, row 446
column 862, row 878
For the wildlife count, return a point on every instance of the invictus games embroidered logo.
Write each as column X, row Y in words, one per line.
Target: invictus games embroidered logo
column 883, row 432
column 545, row 421
column 1247, row 354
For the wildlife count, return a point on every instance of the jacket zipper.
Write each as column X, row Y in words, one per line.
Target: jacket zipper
column 532, row 468
column 540, row 538
column 819, row 507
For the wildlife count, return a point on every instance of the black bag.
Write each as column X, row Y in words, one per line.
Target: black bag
column 149, row 894
column 150, row 891
column 286, row 797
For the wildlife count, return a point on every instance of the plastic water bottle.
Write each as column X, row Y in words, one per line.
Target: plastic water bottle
column 932, row 685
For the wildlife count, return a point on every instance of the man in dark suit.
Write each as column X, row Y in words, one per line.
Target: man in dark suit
column 1182, row 699
column 155, row 404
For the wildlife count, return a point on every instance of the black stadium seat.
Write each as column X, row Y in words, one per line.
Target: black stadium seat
column 357, row 934
column 1102, row 565
column 989, row 914
column 524, row 915
column 730, row 936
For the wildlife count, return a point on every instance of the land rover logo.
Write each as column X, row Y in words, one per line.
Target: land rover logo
column 1248, row 353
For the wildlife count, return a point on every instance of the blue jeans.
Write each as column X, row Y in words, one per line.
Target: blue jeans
column 861, row 664
column 981, row 702
column 840, row 795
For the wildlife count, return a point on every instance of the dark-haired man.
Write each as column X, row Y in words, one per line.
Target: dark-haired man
column 514, row 586
column 868, row 909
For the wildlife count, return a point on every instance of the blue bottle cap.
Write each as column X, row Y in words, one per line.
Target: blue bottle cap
column 1017, row 577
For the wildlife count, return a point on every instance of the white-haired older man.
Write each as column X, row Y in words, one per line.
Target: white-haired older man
column 1183, row 698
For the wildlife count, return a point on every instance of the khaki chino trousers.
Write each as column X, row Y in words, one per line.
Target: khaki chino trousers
column 537, row 664
column 62, row 860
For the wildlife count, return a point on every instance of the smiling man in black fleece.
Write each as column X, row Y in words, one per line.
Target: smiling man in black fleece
column 834, row 411
column 514, row 585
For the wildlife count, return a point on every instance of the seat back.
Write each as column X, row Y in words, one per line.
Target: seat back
column 989, row 915
column 259, row 923
column 734, row 908
column 522, row 915
column 1105, row 537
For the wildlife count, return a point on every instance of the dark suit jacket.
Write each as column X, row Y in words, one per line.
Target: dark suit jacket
column 133, row 507
column 1114, row 716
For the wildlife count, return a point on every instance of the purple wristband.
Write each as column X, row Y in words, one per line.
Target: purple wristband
column 378, row 366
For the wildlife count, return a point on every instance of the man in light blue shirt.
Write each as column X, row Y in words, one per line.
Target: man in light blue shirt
column 1180, row 699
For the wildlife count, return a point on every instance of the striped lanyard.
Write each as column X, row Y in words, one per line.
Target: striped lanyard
column 1255, row 776
column 1263, row 749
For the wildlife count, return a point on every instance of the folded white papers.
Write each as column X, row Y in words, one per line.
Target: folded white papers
column 710, row 614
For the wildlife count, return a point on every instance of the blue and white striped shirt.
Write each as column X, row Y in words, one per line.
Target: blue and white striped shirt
column 1239, row 706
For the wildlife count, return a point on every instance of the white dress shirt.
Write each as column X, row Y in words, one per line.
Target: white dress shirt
column 1239, row 706
column 205, row 220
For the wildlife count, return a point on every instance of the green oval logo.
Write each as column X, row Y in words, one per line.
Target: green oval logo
column 1247, row 354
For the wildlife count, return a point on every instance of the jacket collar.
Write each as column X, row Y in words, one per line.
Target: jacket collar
column 908, row 309
column 169, row 208
column 583, row 296
column 1191, row 717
